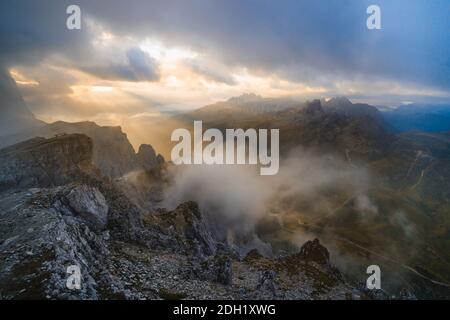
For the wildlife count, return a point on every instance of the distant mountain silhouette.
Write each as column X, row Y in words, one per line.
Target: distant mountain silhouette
column 334, row 125
column 89, row 177
column 245, row 106
column 14, row 113
column 423, row 117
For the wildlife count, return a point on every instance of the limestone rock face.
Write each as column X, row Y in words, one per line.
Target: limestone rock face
column 44, row 241
column 57, row 210
column 46, row 162
column 90, row 204
column 266, row 282
column 187, row 226
column 63, row 160
column 112, row 152
column 218, row 269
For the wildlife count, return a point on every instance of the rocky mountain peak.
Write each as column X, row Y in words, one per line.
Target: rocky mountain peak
column 68, row 215
column 314, row 251
column 146, row 157
column 246, row 97
column 338, row 101
column 313, row 108
column 46, row 162
column 112, row 154
column 343, row 106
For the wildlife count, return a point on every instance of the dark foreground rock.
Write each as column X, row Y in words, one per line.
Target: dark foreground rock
column 57, row 211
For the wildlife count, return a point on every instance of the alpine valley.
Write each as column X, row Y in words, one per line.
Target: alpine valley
column 352, row 191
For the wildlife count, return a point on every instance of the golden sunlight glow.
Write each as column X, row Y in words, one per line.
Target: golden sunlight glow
column 165, row 54
column 21, row 79
column 187, row 80
column 101, row 89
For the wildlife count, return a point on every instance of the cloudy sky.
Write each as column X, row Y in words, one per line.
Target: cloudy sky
column 134, row 59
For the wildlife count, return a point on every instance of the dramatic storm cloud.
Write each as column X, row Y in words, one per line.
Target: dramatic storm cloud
column 152, row 56
column 307, row 40
column 139, row 67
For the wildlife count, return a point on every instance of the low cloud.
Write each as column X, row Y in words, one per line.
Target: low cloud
column 235, row 198
column 400, row 220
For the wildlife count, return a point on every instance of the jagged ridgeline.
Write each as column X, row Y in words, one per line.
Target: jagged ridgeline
column 79, row 194
column 59, row 210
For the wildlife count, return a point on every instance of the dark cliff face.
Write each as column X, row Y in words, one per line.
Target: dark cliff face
column 46, row 162
column 14, row 114
column 146, row 158
column 314, row 251
column 57, row 211
column 62, row 160
column 112, row 152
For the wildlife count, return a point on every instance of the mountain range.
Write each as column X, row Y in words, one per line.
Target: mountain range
column 401, row 216
column 78, row 193
column 421, row 117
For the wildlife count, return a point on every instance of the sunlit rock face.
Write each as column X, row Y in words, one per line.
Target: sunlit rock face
column 112, row 152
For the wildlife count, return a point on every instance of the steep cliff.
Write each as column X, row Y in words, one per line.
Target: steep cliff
column 43, row 162
column 56, row 211
column 112, row 152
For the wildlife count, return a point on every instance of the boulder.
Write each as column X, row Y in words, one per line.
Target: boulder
column 89, row 204
column 266, row 282
column 218, row 269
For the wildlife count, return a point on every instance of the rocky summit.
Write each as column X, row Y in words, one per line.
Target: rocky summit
column 112, row 152
column 77, row 194
column 58, row 210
